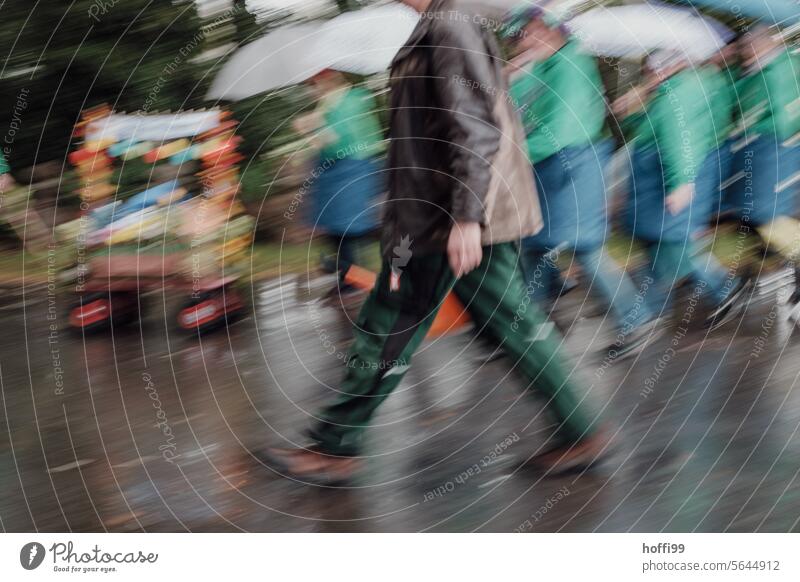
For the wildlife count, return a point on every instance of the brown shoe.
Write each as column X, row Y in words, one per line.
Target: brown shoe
column 580, row 455
column 310, row 465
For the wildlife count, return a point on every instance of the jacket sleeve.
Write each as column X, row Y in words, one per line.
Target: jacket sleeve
column 467, row 87
column 784, row 97
column 677, row 141
column 559, row 121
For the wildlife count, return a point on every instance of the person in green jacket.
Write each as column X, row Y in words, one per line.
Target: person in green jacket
column 719, row 76
column 9, row 193
column 766, row 167
column 6, row 180
column 671, row 140
column 347, row 178
column 557, row 89
column 766, row 160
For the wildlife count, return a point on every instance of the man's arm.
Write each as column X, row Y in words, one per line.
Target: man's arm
column 679, row 150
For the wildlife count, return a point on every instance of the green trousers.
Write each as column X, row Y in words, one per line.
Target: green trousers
column 393, row 323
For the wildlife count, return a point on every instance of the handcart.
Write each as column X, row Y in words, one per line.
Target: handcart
column 185, row 234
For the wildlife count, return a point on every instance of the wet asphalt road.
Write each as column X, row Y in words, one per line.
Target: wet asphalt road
column 148, row 430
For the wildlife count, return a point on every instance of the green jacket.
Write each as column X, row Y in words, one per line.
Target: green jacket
column 4, row 169
column 677, row 121
column 721, row 99
column 356, row 127
column 560, row 101
column 770, row 98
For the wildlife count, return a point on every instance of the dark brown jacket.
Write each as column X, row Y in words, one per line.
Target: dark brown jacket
column 457, row 151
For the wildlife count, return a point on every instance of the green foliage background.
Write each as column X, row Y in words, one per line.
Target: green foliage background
column 80, row 61
column 63, row 57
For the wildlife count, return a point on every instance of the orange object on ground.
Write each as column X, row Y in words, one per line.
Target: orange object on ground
column 360, row 278
column 452, row 316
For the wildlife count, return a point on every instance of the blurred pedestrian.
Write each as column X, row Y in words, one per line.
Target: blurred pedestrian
column 19, row 212
column 670, row 131
column 6, row 179
column 766, row 158
column 557, row 88
column 347, row 177
column 459, row 201
column 720, row 75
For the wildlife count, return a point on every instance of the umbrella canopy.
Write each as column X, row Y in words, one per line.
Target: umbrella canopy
column 364, row 41
column 275, row 60
column 723, row 31
column 635, row 30
column 783, row 12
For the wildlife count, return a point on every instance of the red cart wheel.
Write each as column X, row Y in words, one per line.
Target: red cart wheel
column 97, row 311
column 91, row 313
column 210, row 310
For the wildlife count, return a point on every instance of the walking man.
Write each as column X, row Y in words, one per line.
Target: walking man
column 672, row 141
column 461, row 195
column 765, row 174
column 557, row 88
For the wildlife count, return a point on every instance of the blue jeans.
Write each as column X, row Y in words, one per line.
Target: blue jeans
column 607, row 281
column 672, row 262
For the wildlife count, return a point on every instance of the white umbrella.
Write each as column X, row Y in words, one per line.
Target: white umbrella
column 280, row 58
column 783, row 12
column 364, row 41
column 636, row 30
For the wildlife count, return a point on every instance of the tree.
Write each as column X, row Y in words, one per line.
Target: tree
column 133, row 55
column 247, row 28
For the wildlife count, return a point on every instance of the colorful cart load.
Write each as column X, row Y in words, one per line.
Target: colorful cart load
column 184, row 230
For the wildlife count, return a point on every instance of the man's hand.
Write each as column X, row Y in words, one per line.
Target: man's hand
column 680, row 198
column 464, row 250
column 630, row 102
column 6, row 182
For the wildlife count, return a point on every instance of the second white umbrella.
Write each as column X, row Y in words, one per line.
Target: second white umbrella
column 636, row 30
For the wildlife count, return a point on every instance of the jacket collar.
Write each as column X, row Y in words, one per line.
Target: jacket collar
column 422, row 28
